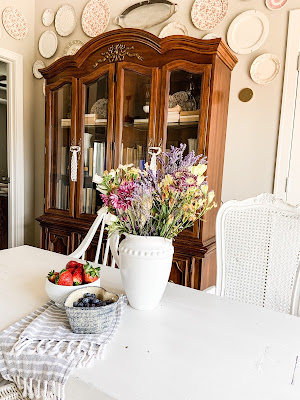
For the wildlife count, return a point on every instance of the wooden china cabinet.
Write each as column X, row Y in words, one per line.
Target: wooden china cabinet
column 120, row 92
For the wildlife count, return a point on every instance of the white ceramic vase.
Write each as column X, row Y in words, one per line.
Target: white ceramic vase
column 145, row 264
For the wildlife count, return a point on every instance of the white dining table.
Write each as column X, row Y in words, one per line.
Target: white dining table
column 193, row 346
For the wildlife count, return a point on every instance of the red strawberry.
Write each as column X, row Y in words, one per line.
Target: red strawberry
column 77, row 276
column 65, row 278
column 52, row 275
column 90, row 274
column 71, row 264
column 72, row 270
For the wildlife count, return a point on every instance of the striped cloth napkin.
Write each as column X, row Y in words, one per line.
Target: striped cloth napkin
column 39, row 351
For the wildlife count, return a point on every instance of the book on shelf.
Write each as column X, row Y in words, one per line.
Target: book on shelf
column 135, row 156
column 89, row 200
column 98, row 158
column 94, row 201
column 65, row 122
column 137, row 121
column 173, row 116
column 83, row 200
column 62, row 195
column 189, row 118
column 91, row 160
column 100, row 121
column 193, row 112
column 64, row 160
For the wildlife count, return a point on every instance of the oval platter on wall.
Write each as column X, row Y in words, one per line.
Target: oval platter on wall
column 48, row 44
column 146, row 14
column 207, row 14
column 48, row 17
column 247, row 32
column 95, row 17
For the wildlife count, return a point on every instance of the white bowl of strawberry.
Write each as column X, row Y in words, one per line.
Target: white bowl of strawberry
column 75, row 275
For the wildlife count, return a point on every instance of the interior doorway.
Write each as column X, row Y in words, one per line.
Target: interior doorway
column 11, row 150
column 3, row 158
column 287, row 174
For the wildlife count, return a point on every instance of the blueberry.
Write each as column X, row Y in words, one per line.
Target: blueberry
column 87, row 295
column 93, row 296
column 85, row 304
column 80, row 304
column 75, row 304
column 108, row 302
column 85, row 300
column 92, row 305
column 95, row 301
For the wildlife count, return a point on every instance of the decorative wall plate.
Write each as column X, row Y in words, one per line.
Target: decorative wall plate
column 178, row 98
column 146, row 14
column 95, row 17
column 248, row 31
column 265, row 68
column 14, row 23
column 48, row 44
column 174, row 28
column 210, row 36
column 207, row 14
column 48, row 17
column 65, row 20
column 100, row 108
column 73, row 47
column 275, row 4
column 35, row 69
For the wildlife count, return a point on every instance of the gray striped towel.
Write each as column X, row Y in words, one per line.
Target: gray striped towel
column 39, row 351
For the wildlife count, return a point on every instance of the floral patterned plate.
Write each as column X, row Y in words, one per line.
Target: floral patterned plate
column 14, row 23
column 207, row 14
column 95, row 17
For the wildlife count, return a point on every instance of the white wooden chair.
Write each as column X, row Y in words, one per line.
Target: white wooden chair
column 104, row 219
column 258, row 253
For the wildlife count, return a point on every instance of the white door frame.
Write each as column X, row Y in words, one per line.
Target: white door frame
column 291, row 80
column 15, row 146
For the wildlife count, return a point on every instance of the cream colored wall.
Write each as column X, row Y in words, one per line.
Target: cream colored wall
column 252, row 127
column 26, row 48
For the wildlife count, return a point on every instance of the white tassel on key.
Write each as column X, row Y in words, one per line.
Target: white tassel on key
column 74, row 150
column 154, row 152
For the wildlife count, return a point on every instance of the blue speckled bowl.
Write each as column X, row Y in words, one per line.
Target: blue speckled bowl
column 91, row 320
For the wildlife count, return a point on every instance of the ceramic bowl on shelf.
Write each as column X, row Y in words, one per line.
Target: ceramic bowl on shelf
column 59, row 293
column 87, row 319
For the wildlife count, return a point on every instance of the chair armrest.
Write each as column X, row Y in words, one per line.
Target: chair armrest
column 211, row 290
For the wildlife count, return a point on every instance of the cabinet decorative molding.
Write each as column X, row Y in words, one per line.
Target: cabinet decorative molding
column 117, row 52
column 116, row 95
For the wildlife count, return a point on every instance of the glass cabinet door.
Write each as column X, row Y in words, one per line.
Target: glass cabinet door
column 185, row 115
column 135, row 113
column 60, row 133
column 96, row 135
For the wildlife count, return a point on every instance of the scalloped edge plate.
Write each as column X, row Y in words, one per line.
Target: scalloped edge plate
column 257, row 64
column 274, row 5
column 65, row 13
column 72, row 47
column 174, row 28
column 39, row 64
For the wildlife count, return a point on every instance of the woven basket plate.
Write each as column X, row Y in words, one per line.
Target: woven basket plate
column 65, row 20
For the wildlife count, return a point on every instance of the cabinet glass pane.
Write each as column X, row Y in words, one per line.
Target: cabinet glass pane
column 60, row 148
column 184, row 109
column 136, row 111
column 94, row 142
